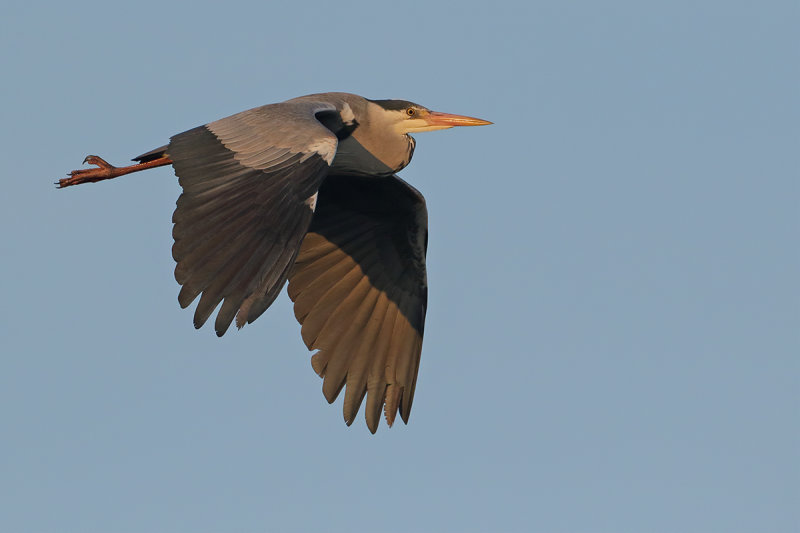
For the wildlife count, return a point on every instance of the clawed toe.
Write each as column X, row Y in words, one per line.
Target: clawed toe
column 96, row 160
column 103, row 170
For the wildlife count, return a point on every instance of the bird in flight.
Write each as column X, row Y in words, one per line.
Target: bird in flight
column 306, row 191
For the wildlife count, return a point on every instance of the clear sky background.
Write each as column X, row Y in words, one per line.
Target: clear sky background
column 614, row 323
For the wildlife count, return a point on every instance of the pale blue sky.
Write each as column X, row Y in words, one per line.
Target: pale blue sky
column 613, row 330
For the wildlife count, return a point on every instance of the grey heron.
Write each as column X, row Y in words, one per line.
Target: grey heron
column 306, row 191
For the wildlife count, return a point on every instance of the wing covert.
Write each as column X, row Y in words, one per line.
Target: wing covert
column 249, row 185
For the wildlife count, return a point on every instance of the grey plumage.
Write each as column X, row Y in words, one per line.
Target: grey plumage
column 306, row 190
column 237, row 228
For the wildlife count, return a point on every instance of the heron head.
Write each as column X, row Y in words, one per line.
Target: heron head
column 408, row 117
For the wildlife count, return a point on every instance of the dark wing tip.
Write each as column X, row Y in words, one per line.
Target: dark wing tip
column 151, row 155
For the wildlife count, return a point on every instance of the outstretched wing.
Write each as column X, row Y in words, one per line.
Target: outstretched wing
column 249, row 189
column 360, row 291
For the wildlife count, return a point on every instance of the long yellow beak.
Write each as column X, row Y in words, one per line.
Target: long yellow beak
column 446, row 120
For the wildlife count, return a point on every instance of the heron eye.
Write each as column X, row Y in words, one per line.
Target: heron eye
column 411, row 112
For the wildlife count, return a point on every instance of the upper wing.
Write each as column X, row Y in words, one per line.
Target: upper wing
column 360, row 291
column 249, row 188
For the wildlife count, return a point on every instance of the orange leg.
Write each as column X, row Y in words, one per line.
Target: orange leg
column 104, row 171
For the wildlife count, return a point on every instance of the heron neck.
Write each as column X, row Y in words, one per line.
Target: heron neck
column 373, row 153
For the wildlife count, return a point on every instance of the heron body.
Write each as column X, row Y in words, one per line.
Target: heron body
column 305, row 191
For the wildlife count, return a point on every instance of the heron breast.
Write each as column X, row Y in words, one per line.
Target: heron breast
column 352, row 158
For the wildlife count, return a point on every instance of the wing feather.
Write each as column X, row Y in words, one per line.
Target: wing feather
column 360, row 358
column 360, row 293
column 244, row 209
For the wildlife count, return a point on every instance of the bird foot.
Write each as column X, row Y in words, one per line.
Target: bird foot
column 103, row 171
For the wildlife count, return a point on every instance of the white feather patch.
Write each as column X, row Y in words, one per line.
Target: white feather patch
column 311, row 201
column 348, row 117
column 326, row 147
